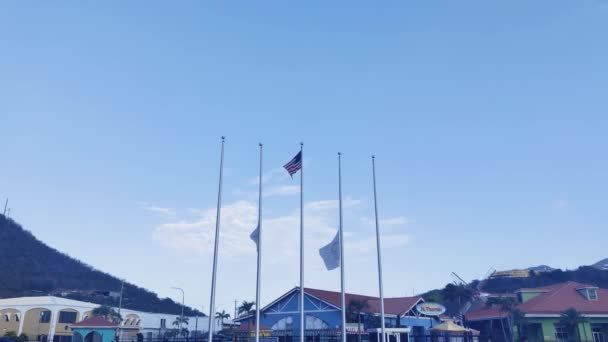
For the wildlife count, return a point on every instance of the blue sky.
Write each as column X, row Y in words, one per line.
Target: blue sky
column 488, row 121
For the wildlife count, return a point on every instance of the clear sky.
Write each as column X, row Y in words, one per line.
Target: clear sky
column 488, row 119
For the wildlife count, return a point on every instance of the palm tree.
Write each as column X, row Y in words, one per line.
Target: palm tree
column 354, row 310
column 245, row 308
column 571, row 319
column 179, row 320
column 108, row 313
column 222, row 315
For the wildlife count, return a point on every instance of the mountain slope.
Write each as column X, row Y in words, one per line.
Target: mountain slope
column 30, row 267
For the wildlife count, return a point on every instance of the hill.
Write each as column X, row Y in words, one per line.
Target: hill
column 601, row 265
column 30, row 267
column 541, row 268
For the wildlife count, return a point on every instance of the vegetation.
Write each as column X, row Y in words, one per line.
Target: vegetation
column 32, row 268
column 108, row 313
column 246, row 308
column 354, row 309
column 222, row 315
column 11, row 335
column 584, row 274
column 570, row 319
column 453, row 297
column 178, row 320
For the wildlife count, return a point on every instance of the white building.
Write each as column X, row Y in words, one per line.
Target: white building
column 50, row 318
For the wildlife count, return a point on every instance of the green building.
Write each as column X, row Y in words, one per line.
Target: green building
column 538, row 314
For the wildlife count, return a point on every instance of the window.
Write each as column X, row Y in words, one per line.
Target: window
column 45, row 316
column 16, row 316
column 314, row 323
column 6, row 318
column 592, row 294
column 283, row 324
column 67, row 317
column 163, row 323
column 561, row 333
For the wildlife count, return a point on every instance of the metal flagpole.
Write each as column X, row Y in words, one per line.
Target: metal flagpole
column 259, row 274
column 343, row 298
column 379, row 252
column 302, row 327
column 217, row 240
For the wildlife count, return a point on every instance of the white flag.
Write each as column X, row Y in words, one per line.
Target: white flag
column 255, row 236
column 331, row 253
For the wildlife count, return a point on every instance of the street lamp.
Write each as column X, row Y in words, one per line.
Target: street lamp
column 182, row 316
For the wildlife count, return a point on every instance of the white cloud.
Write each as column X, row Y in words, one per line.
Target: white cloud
column 167, row 212
column 281, row 233
column 237, row 221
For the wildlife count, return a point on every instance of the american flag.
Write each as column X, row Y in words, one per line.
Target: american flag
column 294, row 165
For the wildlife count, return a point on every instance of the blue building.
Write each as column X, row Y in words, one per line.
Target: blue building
column 323, row 314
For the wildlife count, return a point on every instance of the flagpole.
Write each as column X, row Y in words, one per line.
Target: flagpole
column 259, row 244
column 343, row 295
column 215, row 248
column 379, row 252
column 302, row 244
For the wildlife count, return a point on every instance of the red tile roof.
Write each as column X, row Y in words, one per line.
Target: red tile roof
column 553, row 300
column 561, row 297
column 484, row 313
column 95, row 322
column 392, row 306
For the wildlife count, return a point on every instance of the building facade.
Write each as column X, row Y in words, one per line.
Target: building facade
column 50, row 318
column 542, row 310
column 323, row 314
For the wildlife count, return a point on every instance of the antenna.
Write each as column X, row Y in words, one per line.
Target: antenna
column 457, row 280
column 5, row 204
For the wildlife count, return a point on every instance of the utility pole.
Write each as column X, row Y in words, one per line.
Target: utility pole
column 122, row 287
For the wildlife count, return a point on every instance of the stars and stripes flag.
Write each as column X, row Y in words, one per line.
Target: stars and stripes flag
column 294, row 165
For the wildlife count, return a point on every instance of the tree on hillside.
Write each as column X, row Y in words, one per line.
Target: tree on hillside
column 354, row 309
column 245, row 308
column 570, row 319
column 108, row 313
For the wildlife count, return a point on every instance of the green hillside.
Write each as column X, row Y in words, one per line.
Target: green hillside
column 30, row 267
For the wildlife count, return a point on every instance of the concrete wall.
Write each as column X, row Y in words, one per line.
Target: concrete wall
column 64, row 329
column 13, row 323
column 31, row 323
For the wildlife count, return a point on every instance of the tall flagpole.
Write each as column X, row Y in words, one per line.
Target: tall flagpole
column 259, row 274
column 217, row 241
column 343, row 297
column 302, row 322
column 379, row 252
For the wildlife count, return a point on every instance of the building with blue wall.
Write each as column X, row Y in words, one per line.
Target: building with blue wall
column 323, row 314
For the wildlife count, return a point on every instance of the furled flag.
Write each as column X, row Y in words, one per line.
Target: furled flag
column 331, row 253
column 255, row 236
column 294, row 165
